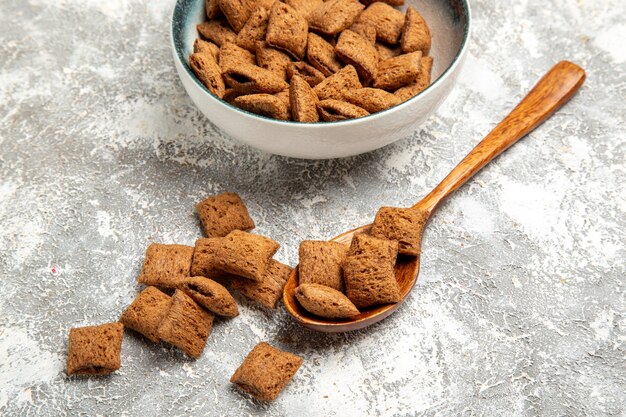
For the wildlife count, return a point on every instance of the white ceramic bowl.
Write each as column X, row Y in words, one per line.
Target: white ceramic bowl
column 449, row 21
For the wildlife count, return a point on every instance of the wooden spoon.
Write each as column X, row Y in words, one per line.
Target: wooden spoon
column 550, row 93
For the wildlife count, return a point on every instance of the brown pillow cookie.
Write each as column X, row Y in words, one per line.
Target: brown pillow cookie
column 305, row 7
column 354, row 49
column 237, row 12
column 268, row 291
column 399, row 71
column 415, row 33
column 203, row 261
column 217, row 31
column 146, row 312
column 372, row 99
column 210, row 295
column 166, row 265
column 322, row 56
column 95, row 350
column 369, row 271
column 233, row 56
column 186, row 325
column 423, row 80
column 208, row 72
column 272, row 59
column 266, row 371
column 287, row 30
column 334, row 16
column 206, row 47
column 245, row 255
column 402, row 225
column 334, row 86
column 324, row 301
column 387, row 21
column 310, row 74
column 303, row 100
column 251, row 79
column 223, row 213
column 254, row 30
column 331, row 110
column 212, row 9
column 267, row 105
column 320, row 263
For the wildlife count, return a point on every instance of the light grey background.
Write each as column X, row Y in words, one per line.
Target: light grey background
column 520, row 305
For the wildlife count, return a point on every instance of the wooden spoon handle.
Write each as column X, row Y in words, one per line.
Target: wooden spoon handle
column 548, row 95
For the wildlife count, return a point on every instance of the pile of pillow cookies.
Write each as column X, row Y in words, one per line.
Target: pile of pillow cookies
column 183, row 293
column 312, row 60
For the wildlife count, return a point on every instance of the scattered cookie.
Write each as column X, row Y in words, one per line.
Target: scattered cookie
column 252, row 79
column 208, row 72
column 269, row 289
column 332, row 110
column 203, row 261
column 303, row 100
column 320, row 263
column 322, row 56
column 324, row 301
column 369, row 271
column 266, row 371
column 423, row 80
column 223, row 213
column 334, row 16
column 145, row 313
column 387, row 21
column 415, row 34
column 217, row 31
column 95, row 350
column 272, row 59
column 210, row 295
column 334, row 86
column 166, row 266
column 237, row 12
column 399, row 71
column 254, row 30
column 353, row 49
column 266, row 105
column 311, row 75
column 372, row 99
column 402, row 225
column 186, row 325
column 245, row 255
column 287, row 30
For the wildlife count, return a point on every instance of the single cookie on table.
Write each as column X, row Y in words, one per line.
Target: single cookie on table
column 254, row 30
column 303, row 101
column 146, row 311
column 237, row 12
column 320, row 263
column 310, row 74
column 208, row 72
column 387, row 21
column 334, row 86
column 95, row 350
column 266, row 371
column 210, row 295
column 324, row 301
column 203, row 261
column 186, row 325
column 372, row 99
column 252, row 79
column 212, row 9
column 332, row 110
column 267, row 105
column 369, row 271
column 206, row 47
column 166, row 266
column 245, row 255
column 403, row 225
column 272, row 59
column 415, row 33
column 399, row 71
column 217, row 31
column 354, row 49
column 423, row 80
column 366, row 30
column 268, row 291
column 287, row 30
column 305, row 7
column 221, row 214
column 334, row 16
column 233, row 56
column 322, row 56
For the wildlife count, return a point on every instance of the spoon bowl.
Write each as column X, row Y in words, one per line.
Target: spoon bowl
column 548, row 95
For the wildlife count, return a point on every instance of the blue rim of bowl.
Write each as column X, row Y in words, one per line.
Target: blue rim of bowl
column 177, row 45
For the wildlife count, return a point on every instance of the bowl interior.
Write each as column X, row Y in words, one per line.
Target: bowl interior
column 449, row 22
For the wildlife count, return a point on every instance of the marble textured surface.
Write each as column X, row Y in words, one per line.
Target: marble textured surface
column 520, row 306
